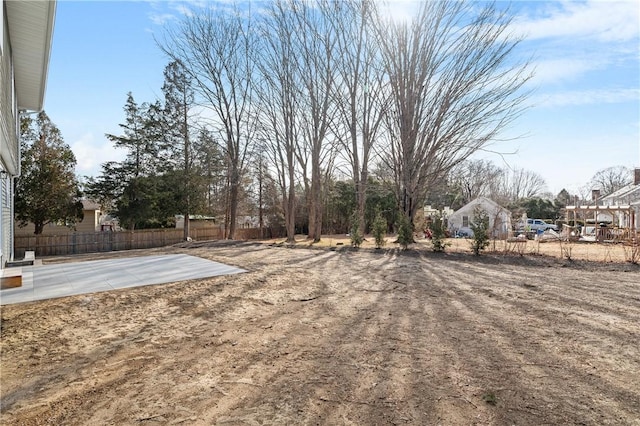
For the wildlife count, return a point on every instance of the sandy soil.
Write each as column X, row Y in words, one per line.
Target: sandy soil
column 332, row 335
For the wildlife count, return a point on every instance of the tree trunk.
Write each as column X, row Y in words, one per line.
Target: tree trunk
column 290, row 212
column 187, row 165
column 260, row 199
column 311, row 231
column 233, row 211
column 315, row 214
column 361, row 200
column 187, row 222
column 233, row 201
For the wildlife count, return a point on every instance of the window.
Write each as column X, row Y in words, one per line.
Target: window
column 465, row 221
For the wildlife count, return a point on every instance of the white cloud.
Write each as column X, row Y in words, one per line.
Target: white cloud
column 605, row 21
column 166, row 11
column 562, row 69
column 161, row 18
column 90, row 154
column 587, row 97
column 580, row 41
column 183, row 10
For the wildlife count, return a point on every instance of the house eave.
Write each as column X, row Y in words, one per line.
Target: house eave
column 30, row 25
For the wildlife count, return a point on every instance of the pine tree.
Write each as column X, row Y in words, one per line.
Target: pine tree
column 379, row 230
column 355, row 233
column 480, row 228
column 438, row 234
column 128, row 188
column 211, row 169
column 179, row 98
column 140, row 152
column 405, row 232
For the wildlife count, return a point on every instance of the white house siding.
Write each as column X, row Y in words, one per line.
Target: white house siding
column 8, row 111
column 6, row 213
column 499, row 218
column 9, row 156
column 27, row 28
column 626, row 196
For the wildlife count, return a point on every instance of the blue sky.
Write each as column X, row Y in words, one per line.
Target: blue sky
column 584, row 114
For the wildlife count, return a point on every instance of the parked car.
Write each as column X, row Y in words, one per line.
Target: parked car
column 536, row 225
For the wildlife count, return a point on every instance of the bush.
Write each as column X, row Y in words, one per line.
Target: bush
column 355, row 235
column 438, row 234
column 632, row 252
column 405, row 233
column 379, row 230
column 480, row 228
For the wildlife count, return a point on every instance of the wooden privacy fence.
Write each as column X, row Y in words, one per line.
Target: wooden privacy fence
column 93, row 242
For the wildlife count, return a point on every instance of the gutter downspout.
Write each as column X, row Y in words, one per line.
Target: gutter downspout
column 12, row 188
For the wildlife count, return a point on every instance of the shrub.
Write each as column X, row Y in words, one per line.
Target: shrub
column 379, row 230
column 438, row 234
column 566, row 248
column 405, row 233
column 480, row 228
column 355, row 235
column 632, row 252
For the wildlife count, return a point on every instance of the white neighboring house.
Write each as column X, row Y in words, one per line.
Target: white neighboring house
column 499, row 218
column 627, row 197
column 26, row 29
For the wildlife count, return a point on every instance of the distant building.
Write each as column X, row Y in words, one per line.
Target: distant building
column 196, row 221
column 459, row 222
column 627, row 195
column 26, row 29
column 622, row 207
column 201, row 221
column 92, row 221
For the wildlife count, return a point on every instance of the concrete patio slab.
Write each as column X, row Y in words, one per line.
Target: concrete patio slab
column 41, row 282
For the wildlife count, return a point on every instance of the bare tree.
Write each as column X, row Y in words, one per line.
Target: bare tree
column 476, row 178
column 359, row 91
column 316, row 65
column 454, row 87
column 519, row 184
column 611, row 179
column 216, row 48
column 278, row 99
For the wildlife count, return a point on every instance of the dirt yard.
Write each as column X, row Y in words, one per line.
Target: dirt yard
column 336, row 336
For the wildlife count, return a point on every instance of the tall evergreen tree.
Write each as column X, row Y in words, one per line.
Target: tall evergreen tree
column 128, row 188
column 179, row 98
column 133, row 139
column 47, row 190
column 211, row 167
column 107, row 188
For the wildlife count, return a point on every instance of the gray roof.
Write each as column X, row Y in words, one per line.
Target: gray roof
column 630, row 191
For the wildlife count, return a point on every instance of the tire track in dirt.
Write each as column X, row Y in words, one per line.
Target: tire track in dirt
column 319, row 357
column 474, row 306
column 336, row 337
